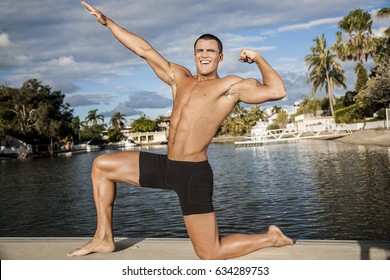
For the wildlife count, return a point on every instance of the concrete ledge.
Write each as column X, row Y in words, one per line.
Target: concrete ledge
column 181, row 249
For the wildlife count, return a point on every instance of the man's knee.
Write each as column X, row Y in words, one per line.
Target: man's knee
column 99, row 163
column 206, row 253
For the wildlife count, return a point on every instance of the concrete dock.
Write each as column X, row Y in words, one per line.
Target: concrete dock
column 181, row 249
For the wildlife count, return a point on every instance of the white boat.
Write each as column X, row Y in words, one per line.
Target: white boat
column 128, row 143
column 10, row 147
column 89, row 147
column 92, row 145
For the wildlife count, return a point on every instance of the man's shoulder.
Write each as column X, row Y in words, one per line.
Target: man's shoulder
column 180, row 69
column 233, row 78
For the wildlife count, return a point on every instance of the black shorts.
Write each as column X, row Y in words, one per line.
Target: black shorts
column 192, row 181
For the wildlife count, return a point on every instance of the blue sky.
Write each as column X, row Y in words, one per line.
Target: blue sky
column 61, row 45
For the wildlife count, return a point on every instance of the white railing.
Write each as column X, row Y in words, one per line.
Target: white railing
column 294, row 133
column 260, row 136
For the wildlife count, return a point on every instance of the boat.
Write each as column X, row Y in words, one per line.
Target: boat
column 93, row 146
column 124, row 144
column 89, row 146
column 10, row 147
column 128, row 143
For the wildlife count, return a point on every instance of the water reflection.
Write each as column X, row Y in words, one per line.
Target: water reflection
column 311, row 189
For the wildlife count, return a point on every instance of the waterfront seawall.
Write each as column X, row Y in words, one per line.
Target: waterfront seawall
column 181, row 249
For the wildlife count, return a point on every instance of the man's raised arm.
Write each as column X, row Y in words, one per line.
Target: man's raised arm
column 251, row 90
column 137, row 45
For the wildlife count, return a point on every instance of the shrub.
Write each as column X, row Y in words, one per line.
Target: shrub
column 348, row 114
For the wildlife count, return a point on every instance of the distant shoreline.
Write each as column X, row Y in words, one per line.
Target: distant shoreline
column 379, row 137
column 227, row 139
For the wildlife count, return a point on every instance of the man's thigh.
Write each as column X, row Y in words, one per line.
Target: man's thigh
column 120, row 167
column 203, row 231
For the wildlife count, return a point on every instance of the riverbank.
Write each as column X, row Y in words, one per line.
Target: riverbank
column 367, row 137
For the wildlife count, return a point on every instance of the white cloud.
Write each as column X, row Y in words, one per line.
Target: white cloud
column 62, row 61
column 310, row 24
column 4, row 40
column 22, row 59
column 379, row 32
column 89, row 98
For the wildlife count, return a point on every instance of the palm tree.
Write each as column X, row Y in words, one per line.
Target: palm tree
column 118, row 121
column 383, row 43
column 76, row 126
column 359, row 44
column 384, row 13
column 340, row 48
column 324, row 70
column 93, row 117
column 226, row 126
column 239, row 114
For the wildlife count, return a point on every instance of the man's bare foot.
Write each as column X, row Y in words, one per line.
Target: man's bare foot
column 280, row 239
column 93, row 247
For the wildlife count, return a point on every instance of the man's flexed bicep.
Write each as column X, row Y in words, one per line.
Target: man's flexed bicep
column 137, row 45
column 251, row 90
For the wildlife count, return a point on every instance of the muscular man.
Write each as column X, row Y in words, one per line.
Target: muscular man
column 200, row 104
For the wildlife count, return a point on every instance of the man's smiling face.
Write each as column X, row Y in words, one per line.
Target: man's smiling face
column 207, row 57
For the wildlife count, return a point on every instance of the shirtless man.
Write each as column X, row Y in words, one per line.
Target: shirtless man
column 200, row 104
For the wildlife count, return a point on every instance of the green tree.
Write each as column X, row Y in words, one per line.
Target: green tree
column 94, row 118
column 382, row 14
column 241, row 120
column 118, row 121
column 225, row 128
column 349, row 98
column 282, row 119
column 310, row 106
column 115, row 135
column 239, row 126
column 340, row 48
column 377, row 93
column 143, row 124
column 359, row 43
column 44, row 124
column 361, row 77
column 382, row 44
column 255, row 114
column 93, row 126
column 305, row 98
column 25, row 117
column 92, row 133
column 34, row 113
column 161, row 121
column 8, row 124
column 324, row 70
column 76, row 127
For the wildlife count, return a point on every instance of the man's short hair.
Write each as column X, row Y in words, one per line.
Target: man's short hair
column 210, row 37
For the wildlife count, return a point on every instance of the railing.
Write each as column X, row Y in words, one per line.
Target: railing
column 289, row 134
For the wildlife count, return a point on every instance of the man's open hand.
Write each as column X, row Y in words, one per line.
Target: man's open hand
column 100, row 17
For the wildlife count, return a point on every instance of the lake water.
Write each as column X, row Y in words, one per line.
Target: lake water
column 311, row 189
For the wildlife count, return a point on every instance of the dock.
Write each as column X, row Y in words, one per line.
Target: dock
column 181, row 249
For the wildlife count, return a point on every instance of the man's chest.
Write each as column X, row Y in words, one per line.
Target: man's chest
column 202, row 92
